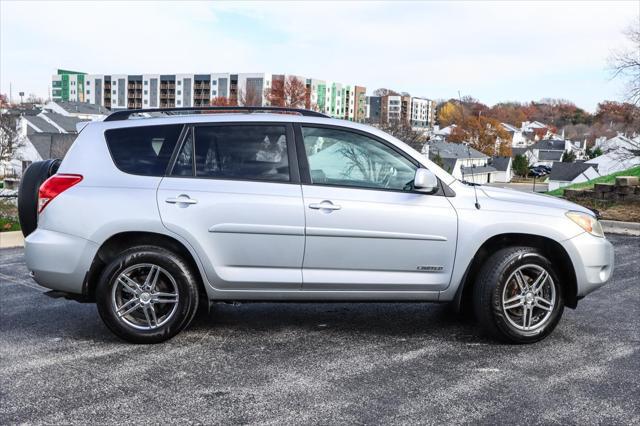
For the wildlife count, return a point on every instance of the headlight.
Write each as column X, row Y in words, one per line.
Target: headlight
column 586, row 222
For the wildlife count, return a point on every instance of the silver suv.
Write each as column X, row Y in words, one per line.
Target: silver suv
column 155, row 216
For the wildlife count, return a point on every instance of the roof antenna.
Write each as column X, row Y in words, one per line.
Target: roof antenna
column 475, row 191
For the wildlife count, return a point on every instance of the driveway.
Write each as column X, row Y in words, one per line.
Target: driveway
column 319, row 363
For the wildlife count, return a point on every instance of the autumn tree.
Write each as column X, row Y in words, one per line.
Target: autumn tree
column 448, row 113
column 508, row 112
column 289, row 92
column 222, row 101
column 625, row 64
column 484, row 134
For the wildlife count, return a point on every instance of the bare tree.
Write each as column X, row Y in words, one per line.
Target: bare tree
column 384, row 92
column 9, row 139
column 34, row 99
column 625, row 64
column 249, row 97
column 405, row 133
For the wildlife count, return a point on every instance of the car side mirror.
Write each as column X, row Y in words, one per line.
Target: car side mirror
column 425, row 181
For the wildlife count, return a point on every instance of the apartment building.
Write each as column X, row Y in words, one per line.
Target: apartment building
column 419, row 113
column 422, row 113
column 68, row 86
column 125, row 91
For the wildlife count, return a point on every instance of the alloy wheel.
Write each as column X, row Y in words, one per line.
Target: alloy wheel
column 145, row 296
column 529, row 298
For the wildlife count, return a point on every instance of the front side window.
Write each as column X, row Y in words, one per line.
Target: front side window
column 144, row 150
column 344, row 158
column 243, row 152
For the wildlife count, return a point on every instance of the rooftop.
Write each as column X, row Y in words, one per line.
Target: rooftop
column 550, row 155
column 453, row 150
column 549, row 145
column 501, row 163
column 568, row 171
column 82, row 108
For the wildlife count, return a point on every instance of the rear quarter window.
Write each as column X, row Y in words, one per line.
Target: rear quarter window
column 144, row 150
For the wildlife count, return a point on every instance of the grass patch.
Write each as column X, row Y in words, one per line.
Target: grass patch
column 7, row 224
column 8, row 216
column 634, row 171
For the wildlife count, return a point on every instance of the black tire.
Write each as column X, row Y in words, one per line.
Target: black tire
column 489, row 289
column 125, row 327
column 30, row 183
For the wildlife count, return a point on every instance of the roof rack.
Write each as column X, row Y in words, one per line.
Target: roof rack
column 125, row 114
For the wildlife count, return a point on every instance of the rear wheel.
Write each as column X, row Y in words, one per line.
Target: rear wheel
column 147, row 295
column 518, row 296
column 32, row 178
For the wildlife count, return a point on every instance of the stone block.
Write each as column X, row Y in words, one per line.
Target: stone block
column 627, row 181
column 603, row 187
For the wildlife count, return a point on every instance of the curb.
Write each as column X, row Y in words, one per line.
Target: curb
column 623, row 228
column 11, row 239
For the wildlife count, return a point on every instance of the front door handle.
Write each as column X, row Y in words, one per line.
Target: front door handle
column 325, row 205
column 182, row 199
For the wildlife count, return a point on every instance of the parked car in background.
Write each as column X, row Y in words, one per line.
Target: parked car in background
column 151, row 217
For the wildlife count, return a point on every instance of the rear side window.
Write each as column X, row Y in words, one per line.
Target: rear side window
column 144, row 150
column 243, row 152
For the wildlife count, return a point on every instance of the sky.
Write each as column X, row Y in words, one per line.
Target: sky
column 493, row 51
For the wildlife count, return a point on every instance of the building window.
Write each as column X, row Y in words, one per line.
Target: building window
column 214, row 83
column 179, row 92
column 146, row 101
column 179, row 82
column 88, row 92
column 114, row 92
column 88, row 82
column 178, row 102
column 146, row 82
column 146, row 92
column 213, row 92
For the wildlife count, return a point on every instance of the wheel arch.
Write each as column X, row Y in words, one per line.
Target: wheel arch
column 549, row 247
column 115, row 244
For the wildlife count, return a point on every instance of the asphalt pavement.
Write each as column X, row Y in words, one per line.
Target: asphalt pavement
column 338, row 363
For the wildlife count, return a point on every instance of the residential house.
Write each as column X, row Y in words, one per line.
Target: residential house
column 564, row 174
column 504, row 169
column 517, row 138
column 461, row 161
column 616, row 160
column 42, row 136
column 531, row 131
column 81, row 110
column 618, row 141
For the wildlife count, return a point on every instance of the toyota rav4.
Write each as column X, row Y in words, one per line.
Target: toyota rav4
column 153, row 214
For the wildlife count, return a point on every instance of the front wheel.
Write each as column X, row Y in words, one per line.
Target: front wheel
column 518, row 296
column 147, row 295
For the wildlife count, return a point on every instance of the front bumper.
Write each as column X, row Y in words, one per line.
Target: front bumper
column 593, row 261
column 58, row 261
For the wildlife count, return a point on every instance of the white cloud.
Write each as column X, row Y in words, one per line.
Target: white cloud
column 492, row 50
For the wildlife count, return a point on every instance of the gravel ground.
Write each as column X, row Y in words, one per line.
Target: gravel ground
column 320, row 363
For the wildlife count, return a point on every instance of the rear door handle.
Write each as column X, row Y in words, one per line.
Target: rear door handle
column 325, row 205
column 182, row 199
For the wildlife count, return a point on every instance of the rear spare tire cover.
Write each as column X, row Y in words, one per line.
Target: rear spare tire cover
column 30, row 183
